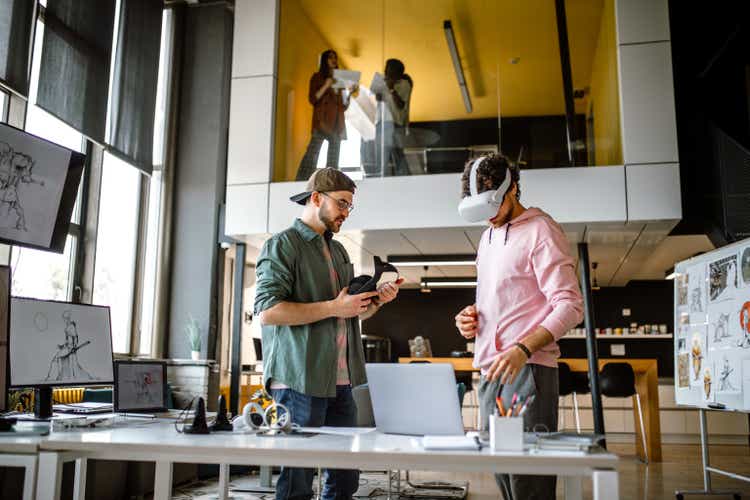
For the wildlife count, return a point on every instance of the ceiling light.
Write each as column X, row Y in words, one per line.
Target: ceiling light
column 670, row 274
column 453, row 49
column 432, row 260
column 448, row 282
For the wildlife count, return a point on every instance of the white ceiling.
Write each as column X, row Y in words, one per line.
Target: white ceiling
column 622, row 251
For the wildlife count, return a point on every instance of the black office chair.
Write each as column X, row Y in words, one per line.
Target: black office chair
column 572, row 383
column 617, row 380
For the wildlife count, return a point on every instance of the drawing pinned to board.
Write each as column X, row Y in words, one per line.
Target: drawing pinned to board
column 683, row 369
column 744, row 315
column 729, row 378
column 696, row 357
column 745, row 266
column 708, row 385
column 722, row 330
column 681, row 281
column 722, row 278
column 696, row 283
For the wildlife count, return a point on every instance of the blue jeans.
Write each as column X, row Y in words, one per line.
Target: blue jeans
column 296, row 483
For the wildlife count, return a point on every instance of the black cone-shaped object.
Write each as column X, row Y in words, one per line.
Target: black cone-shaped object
column 222, row 423
column 199, row 425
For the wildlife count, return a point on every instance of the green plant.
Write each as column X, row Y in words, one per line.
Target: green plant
column 193, row 333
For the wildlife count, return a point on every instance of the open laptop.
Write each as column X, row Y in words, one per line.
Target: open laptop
column 415, row 399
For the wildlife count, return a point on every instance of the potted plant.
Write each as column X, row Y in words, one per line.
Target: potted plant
column 193, row 333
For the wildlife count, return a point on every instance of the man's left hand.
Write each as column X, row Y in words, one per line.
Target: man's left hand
column 388, row 291
column 507, row 365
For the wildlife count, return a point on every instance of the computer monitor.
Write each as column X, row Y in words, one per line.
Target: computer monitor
column 4, row 307
column 55, row 343
column 38, row 188
column 140, row 386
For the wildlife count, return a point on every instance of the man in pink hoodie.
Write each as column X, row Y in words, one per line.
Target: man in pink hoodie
column 527, row 298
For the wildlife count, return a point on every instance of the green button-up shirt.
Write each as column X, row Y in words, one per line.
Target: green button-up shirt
column 292, row 268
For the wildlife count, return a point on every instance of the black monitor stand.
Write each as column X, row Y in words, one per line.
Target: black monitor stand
column 43, row 403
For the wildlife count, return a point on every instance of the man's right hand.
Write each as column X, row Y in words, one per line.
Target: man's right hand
column 466, row 322
column 349, row 306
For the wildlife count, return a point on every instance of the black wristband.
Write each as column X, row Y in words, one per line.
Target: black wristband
column 524, row 349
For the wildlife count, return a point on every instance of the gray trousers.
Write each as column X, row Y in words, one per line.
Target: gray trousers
column 540, row 416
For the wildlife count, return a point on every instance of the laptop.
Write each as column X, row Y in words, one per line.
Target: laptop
column 83, row 408
column 415, row 399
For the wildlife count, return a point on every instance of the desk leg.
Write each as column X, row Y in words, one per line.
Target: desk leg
column 647, row 385
column 49, row 476
column 79, row 485
column 30, row 478
column 223, row 492
column 605, row 485
column 573, row 487
column 163, row 481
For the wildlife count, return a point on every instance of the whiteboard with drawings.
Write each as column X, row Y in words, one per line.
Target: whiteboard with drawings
column 712, row 329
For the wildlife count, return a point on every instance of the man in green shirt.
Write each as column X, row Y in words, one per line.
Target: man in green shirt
column 312, row 349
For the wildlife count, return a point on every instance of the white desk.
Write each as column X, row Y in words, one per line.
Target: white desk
column 160, row 443
column 21, row 452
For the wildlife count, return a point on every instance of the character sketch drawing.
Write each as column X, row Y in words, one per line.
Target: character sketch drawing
column 16, row 169
column 65, row 364
column 721, row 328
column 696, row 302
column 744, row 341
column 725, row 385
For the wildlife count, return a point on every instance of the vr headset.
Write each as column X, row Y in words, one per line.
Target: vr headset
column 483, row 206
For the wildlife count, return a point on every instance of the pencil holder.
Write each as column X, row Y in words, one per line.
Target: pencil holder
column 506, row 433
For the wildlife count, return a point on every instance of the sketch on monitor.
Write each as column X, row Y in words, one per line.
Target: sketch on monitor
column 65, row 365
column 35, row 187
column 140, row 386
column 722, row 278
column 59, row 343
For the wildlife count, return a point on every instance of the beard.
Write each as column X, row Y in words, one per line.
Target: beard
column 331, row 221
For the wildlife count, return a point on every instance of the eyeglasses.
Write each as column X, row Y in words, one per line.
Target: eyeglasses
column 343, row 204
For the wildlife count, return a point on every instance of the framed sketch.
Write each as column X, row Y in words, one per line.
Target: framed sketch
column 59, row 343
column 4, row 319
column 38, row 188
column 140, row 386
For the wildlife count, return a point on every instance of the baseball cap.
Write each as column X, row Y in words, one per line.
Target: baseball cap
column 325, row 180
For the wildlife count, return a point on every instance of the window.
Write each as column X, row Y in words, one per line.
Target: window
column 116, row 246
column 35, row 273
column 42, row 275
column 4, row 101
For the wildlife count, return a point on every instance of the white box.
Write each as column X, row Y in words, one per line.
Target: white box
column 506, row 433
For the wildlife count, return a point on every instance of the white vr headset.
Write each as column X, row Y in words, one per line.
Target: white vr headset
column 478, row 207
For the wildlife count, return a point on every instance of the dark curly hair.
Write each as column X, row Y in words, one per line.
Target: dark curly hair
column 490, row 174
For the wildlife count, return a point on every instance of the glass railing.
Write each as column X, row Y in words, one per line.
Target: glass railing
column 415, row 88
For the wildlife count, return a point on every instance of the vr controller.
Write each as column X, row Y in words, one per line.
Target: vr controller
column 366, row 283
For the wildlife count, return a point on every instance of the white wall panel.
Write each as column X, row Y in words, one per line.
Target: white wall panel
column 249, row 154
column 641, row 21
column 654, row 192
column 649, row 130
column 255, row 33
column 247, row 209
column 570, row 195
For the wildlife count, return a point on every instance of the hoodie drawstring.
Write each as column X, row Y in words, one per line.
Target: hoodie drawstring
column 507, row 230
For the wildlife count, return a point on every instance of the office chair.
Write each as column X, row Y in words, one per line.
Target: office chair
column 617, row 380
column 572, row 383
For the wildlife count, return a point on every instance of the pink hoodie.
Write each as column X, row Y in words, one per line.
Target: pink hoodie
column 525, row 278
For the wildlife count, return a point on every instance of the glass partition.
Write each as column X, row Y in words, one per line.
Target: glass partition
column 413, row 88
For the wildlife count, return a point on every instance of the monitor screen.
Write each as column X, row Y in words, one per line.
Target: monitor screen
column 38, row 188
column 59, row 343
column 140, row 386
